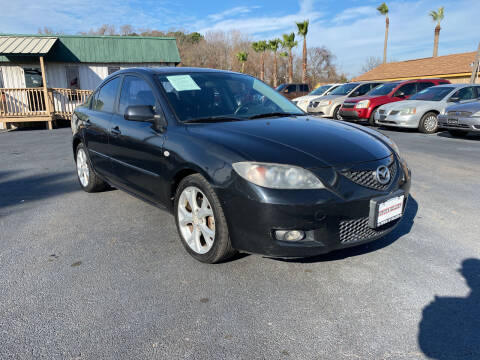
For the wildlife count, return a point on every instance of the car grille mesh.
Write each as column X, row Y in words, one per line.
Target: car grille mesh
column 367, row 178
column 348, row 106
column 459, row 113
column 462, row 126
column 358, row 230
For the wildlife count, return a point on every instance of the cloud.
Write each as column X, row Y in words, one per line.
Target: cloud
column 232, row 12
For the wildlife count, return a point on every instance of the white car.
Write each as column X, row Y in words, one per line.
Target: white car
column 303, row 101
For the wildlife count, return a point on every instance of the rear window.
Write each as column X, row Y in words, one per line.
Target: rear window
column 433, row 93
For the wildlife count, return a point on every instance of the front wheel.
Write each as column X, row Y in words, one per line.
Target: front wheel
column 200, row 221
column 428, row 123
column 89, row 181
column 336, row 115
column 371, row 119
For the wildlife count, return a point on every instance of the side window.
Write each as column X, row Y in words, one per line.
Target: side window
column 407, row 89
column 291, row 88
column 105, row 99
column 304, row 87
column 467, row 93
column 135, row 91
column 478, row 91
column 374, row 85
column 424, row 85
column 362, row 90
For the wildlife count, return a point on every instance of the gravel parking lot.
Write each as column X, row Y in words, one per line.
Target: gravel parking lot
column 104, row 276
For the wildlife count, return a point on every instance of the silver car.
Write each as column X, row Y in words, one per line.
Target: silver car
column 421, row 110
column 459, row 119
column 329, row 105
column 303, row 101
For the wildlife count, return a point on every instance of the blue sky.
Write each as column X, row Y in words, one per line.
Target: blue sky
column 352, row 30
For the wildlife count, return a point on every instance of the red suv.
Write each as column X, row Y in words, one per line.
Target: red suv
column 362, row 108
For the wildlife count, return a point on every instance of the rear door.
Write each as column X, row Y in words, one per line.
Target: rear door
column 137, row 156
column 466, row 94
column 405, row 91
column 97, row 126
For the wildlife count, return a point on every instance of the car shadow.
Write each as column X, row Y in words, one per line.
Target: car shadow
column 469, row 136
column 450, row 326
column 403, row 228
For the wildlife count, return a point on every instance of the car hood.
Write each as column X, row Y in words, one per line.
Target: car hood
column 472, row 107
column 404, row 104
column 379, row 98
column 306, row 97
column 303, row 141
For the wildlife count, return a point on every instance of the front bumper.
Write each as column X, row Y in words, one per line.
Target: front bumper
column 332, row 219
column 397, row 120
column 352, row 114
column 321, row 110
column 459, row 123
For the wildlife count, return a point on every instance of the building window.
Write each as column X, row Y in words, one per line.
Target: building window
column 73, row 78
column 112, row 69
column 1, row 79
column 33, row 77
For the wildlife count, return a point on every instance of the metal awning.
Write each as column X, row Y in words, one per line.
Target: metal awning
column 26, row 45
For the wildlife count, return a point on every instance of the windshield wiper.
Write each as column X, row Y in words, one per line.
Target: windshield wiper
column 213, row 119
column 272, row 114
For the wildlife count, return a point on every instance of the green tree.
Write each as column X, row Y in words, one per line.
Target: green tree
column 438, row 17
column 242, row 57
column 260, row 47
column 273, row 46
column 289, row 43
column 302, row 28
column 383, row 9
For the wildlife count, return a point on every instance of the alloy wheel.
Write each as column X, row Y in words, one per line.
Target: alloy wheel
column 430, row 123
column 196, row 220
column 83, row 171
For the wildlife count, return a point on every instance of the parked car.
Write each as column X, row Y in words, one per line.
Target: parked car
column 329, row 105
column 420, row 111
column 303, row 101
column 362, row 108
column 291, row 91
column 240, row 167
column 460, row 119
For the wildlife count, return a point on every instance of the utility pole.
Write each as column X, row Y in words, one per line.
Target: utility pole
column 476, row 66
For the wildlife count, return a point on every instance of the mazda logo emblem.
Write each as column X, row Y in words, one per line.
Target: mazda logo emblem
column 382, row 175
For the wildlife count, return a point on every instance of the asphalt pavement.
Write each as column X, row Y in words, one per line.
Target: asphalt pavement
column 104, row 276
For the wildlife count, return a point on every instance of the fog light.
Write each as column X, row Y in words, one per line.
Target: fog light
column 289, row 235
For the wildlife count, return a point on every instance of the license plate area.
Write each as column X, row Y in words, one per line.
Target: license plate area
column 386, row 209
column 452, row 121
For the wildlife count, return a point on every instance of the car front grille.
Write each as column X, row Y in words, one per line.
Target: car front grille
column 459, row 113
column 358, row 230
column 348, row 106
column 367, row 177
column 461, row 126
column 382, row 112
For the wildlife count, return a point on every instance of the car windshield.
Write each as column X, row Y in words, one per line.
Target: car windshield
column 223, row 96
column 320, row 90
column 383, row 89
column 432, row 93
column 344, row 89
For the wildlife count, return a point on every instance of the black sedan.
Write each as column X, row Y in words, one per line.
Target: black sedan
column 240, row 166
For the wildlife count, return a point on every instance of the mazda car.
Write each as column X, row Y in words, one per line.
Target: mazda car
column 238, row 165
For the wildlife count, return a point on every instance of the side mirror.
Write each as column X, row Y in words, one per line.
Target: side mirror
column 454, row 99
column 355, row 93
column 139, row 113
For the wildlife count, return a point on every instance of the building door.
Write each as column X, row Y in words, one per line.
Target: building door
column 33, row 79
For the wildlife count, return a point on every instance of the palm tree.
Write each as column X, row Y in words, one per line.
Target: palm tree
column 383, row 9
column 273, row 45
column 289, row 43
column 438, row 17
column 260, row 47
column 302, row 31
column 242, row 57
column 284, row 55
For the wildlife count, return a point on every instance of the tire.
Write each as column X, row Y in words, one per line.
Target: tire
column 195, row 231
column 371, row 119
column 88, row 180
column 426, row 125
column 335, row 114
column 458, row 133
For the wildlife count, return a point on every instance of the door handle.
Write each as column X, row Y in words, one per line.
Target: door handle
column 115, row 130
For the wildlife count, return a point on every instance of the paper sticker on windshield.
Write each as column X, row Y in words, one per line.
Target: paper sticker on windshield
column 183, row 82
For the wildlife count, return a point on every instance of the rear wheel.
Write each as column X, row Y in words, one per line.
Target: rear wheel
column 428, row 123
column 200, row 221
column 458, row 133
column 336, row 115
column 88, row 180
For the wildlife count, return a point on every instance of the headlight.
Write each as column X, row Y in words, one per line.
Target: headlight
column 277, row 176
column 363, row 104
column 408, row 111
column 324, row 102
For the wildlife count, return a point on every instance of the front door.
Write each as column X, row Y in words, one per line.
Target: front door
column 136, row 146
column 98, row 125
